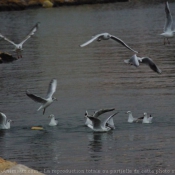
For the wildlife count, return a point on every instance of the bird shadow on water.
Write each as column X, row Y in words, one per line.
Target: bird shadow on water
column 2, row 133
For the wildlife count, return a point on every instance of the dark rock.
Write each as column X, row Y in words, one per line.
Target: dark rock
column 6, row 58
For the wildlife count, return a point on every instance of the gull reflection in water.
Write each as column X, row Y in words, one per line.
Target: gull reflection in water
column 95, row 142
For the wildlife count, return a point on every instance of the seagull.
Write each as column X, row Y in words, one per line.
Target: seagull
column 131, row 119
column 4, row 123
column 107, row 36
column 99, row 126
column 134, row 60
column 18, row 47
column 146, row 118
column 45, row 101
column 168, row 28
column 97, row 114
column 53, row 121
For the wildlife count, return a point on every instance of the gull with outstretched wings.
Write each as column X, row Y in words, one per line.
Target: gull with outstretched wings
column 19, row 47
column 97, row 114
column 45, row 101
column 107, row 36
column 135, row 60
column 168, row 28
column 100, row 126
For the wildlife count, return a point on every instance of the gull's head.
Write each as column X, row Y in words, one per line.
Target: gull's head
column 86, row 114
column 145, row 114
column 106, row 36
column 51, row 116
column 54, row 99
column 10, row 121
column 128, row 112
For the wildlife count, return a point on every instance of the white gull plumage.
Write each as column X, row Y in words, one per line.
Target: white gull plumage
column 132, row 119
column 97, row 114
column 107, row 36
column 49, row 99
column 53, row 121
column 135, row 60
column 4, row 123
column 19, row 47
column 99, row 126
column 146, row 118
column 168, row 28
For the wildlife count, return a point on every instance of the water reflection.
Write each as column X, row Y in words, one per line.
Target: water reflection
column 95, row 142
column 89, row 78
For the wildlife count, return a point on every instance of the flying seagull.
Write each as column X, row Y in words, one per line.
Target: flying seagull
column 168, row 28
column 49, row 99
column 107, row 36
column 4, row 123
column 99, row 126
column 97, row 114
column 134, row 60
column 53, row 121
column 18, row 47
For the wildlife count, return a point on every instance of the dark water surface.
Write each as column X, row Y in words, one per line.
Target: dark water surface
column 89, row 78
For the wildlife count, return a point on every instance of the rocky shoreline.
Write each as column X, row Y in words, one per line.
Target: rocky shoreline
column 9, row 168
column 25, row 4
column 7, row 5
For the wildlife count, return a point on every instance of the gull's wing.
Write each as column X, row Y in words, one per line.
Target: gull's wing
column 95, row 122
column 122, row 42
column 133, row 60
column 52, row 88
column 32, row 32
column 101, row 111
column 5, row 38
column 105, row 121
column 169, row 20
column 151, row 64
column 36, row 98
column 91, row 40
column 3, row 118
column 111, row 123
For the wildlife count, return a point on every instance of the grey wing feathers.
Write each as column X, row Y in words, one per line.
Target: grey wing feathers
column 3, row 118
column 35, row 98
column 151, row 64
column 5, row 38
column 104, row 123
column 122, row 42
column 169, row 19
column 101, row 111
column 52, row 88
column 95, row 122
column 32, row 32
column 91, row 40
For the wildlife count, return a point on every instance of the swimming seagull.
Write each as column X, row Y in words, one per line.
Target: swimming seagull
column 18, row 47
column 97, row 114
column 49, row 99
column 134, row 60
column 146, row 118
column 99, row 126
column 4, row 123
column 168, row 28
column 53, row 121
column 132, row 119
column 107, row 36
